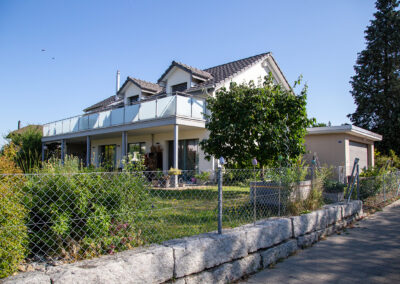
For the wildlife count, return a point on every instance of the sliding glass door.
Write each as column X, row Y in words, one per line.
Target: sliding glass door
column 187, row 154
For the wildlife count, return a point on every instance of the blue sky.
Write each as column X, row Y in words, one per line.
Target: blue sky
column 90, row 40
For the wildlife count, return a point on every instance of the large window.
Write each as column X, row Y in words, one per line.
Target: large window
column 187, row 154
column 136, row 150
column 108, row 156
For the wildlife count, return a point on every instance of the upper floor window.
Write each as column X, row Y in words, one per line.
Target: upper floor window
column 179, row 87
column 133, row 99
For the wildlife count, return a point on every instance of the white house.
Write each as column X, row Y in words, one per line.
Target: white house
column 163, row 120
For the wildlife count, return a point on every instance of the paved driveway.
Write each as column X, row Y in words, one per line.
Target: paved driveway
column 367, row 253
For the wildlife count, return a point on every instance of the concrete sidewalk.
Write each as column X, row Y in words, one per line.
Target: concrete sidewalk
column 367, row 253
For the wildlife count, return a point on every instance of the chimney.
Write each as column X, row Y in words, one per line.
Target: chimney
column 118, row 80
column 19, row 124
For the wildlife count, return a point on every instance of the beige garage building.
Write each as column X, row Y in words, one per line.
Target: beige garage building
column 339, row 145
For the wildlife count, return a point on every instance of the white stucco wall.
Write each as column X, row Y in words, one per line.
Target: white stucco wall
column 177, row 76
column 255, row 73
column 132, row 90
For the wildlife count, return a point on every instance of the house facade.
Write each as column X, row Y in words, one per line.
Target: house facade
column 163, row 120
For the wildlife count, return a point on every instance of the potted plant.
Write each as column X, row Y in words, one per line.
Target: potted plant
column 174, row 173
column 202, row 178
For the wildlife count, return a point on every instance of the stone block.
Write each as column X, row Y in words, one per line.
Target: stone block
column 154, row 264
column 228, row 272
column 334, row 214
column 267, row 233
column 28, row 278
column 309, row 239
column 194, row 254
column 310, row 222
column 272, row 255
column 352, row 208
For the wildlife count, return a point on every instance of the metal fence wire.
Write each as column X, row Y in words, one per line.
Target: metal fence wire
column 60, row 218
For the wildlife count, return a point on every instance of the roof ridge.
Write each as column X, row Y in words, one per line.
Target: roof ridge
column 133, row 78
column 264, row 53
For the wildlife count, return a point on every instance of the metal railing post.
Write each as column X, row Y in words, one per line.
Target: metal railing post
column 220, row 200
column 255, row 197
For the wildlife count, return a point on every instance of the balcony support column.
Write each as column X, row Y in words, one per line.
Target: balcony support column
column 124, row 146
column 88, row 150
column 63, row 146
column 43, row 148
column 176, row 143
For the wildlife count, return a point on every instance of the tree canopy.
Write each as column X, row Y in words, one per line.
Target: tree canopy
column 267, row 123
column 376, row 84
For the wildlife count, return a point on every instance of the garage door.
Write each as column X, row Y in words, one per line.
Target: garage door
column 359, row 150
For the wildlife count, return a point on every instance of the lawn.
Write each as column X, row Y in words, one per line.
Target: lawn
column 191, row 211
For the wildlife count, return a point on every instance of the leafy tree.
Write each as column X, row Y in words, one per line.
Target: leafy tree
column 268, row 123
column 376, row 84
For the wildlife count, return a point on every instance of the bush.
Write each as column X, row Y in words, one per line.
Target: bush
column 13, row 232
column 29, row 148
column 86, row 214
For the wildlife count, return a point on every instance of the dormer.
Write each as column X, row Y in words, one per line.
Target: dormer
column 135, row 90
column 179, row 77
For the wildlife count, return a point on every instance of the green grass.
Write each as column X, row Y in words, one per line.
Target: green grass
column 191, row 211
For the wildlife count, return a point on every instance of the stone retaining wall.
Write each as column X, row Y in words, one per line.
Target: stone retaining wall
column 205, row 258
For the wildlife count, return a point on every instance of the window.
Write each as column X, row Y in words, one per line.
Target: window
column 107, row 156
column 187, row 154
column 133, row 99
column 136, row 150
column 179, row 87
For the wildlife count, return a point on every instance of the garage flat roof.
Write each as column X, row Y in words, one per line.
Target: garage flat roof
column 348, row 129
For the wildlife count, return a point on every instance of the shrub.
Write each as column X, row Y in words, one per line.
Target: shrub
column 13, row 232
column 84, row 214
column 29, row 148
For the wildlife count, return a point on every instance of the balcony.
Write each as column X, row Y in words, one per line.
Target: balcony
column 177, row 105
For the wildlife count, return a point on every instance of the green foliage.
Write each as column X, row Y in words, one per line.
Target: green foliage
column 268, row 123
column 376, row 84
column 13, row 232
column 203, row 176
column 84, row 214
column 390, row 161
column 333, row 186
column 29, row 148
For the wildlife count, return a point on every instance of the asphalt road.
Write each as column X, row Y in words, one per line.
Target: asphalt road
column 367, row 253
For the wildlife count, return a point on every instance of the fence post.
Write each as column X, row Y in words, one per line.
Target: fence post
column 358, row 182
column 255, row 197
column 219, row 200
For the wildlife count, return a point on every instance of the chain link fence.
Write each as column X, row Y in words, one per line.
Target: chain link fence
column 49, row 219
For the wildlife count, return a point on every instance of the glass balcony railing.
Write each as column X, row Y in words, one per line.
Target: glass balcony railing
column 176, row 105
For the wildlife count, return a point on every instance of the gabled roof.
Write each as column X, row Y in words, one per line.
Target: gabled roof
column 102, row 104
column 144, row 85
column 222, row 72
column 192, row 70
column 213, row 76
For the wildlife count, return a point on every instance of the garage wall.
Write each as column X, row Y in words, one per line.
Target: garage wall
column 330, row 149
